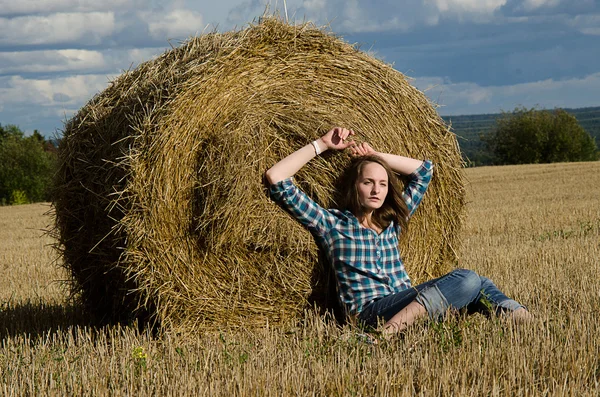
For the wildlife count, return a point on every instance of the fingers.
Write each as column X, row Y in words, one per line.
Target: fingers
column 336, row 138
column 361, row 149
column 343, row 133
column 355, row 149
column 364, row 149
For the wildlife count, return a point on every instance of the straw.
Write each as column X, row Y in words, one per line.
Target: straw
column 162, row 213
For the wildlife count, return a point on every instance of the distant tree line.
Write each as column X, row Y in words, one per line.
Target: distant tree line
column 523, row 136
column 27, row 165
column 526, row 136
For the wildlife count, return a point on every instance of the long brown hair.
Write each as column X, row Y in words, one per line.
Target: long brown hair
column 393, row 208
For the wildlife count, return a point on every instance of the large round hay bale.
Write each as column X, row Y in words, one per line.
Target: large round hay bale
column 161, row 207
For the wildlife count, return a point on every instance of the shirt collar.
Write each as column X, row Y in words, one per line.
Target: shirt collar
column 357, row 224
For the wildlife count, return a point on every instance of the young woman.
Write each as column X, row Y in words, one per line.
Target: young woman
column 361, row 239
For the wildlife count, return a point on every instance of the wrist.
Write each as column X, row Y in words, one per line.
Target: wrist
column 319, row 146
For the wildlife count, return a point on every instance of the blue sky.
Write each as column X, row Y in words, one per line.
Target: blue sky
column 469, row 56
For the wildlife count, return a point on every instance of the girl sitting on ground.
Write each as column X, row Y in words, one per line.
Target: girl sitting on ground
column 360, row 240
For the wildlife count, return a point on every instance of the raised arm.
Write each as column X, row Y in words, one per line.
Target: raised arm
column 336, row 139
column 400, row 164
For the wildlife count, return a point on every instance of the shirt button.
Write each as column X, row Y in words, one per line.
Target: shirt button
column 378, row 254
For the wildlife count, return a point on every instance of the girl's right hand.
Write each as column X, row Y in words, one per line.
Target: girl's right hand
column 336, row 137
column 362, row 149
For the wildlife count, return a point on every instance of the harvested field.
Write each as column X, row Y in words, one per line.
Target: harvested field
column 535, row 230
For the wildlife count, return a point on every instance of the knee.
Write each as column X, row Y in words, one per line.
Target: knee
column 469, row 282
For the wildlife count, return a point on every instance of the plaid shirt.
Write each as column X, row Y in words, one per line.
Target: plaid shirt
column 368, row 265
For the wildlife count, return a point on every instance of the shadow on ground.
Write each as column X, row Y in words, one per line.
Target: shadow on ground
column 38, row 318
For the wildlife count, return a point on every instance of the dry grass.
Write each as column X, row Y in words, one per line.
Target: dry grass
column 160, row 202
column 535, row 230
column 25, row 255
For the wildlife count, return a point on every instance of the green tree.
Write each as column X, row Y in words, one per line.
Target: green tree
column 26, row 168
column 10, row 130
column 527, row 136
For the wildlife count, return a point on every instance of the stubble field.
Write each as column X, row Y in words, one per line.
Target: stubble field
column 534, row 230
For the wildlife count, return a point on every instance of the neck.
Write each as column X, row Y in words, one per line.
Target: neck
column 365, row 218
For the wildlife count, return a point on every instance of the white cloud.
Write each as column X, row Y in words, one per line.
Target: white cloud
column 139, row 55
column 530, row 5
column 57, row 28
column 15, row 7
column 178, row 23
column 50, row 61
column 314, row 5
column 595, row 31
column 468, row 6
column 354, row 16
column 443, row 92
column 60, row 92
column 357, row 16
column 586, row 24
column 471, row 98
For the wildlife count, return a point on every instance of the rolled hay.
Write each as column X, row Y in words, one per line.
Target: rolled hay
column 161, row 209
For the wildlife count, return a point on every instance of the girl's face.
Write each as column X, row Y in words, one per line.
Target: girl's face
column 372, row 186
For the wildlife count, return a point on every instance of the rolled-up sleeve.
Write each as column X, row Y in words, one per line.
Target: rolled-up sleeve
column 417, row 186
column 317, row 219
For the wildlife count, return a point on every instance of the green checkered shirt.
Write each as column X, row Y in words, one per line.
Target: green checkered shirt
column 367, row 265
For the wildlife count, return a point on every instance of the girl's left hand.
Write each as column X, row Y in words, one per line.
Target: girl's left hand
column 336, row 138
column 362, row 149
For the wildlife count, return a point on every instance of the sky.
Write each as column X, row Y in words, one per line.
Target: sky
column 468, row 56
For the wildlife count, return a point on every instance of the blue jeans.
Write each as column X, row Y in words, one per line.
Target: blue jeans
column 459, row 289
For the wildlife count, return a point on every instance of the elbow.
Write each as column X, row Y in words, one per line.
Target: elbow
column 275, row 174
column 271, row 179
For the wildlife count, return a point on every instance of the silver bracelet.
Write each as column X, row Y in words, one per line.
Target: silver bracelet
column 317, row 148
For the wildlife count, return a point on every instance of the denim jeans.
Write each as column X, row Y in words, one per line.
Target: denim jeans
column 459, row 289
